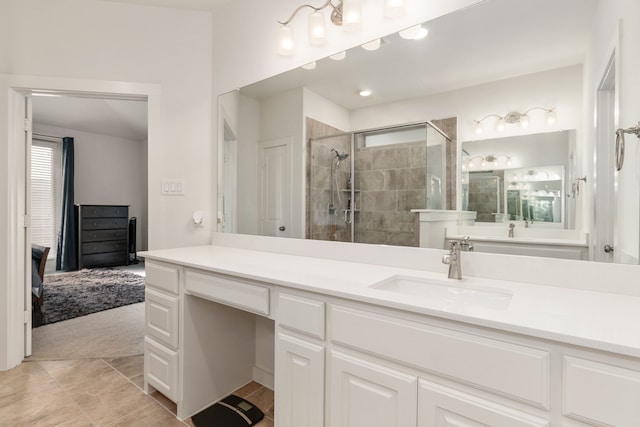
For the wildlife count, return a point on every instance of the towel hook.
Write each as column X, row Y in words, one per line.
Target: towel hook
column 620, row 143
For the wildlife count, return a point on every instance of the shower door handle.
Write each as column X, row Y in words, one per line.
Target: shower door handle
column 282, row 228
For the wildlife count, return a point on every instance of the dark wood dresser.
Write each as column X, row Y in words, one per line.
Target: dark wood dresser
column 103, row 236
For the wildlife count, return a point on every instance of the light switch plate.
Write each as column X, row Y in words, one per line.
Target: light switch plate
column 173, row 187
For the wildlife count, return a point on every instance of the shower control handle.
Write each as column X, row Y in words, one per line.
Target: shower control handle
column 282, row 228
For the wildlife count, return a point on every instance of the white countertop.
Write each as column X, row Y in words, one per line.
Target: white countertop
column 598, row 320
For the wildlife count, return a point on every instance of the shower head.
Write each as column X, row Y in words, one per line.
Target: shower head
column 340, row 156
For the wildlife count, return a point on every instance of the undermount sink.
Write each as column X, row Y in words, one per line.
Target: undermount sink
column 446, row 293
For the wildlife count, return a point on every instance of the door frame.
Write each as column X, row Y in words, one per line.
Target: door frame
column 605, row 194
column 17, row 274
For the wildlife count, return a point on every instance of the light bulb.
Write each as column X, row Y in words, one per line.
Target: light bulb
column 524, row 121
column 317, row 29
column 339, row 56
column 500, row 125
column 551, row 117
column 394, row 8
column 478, row 128
column 351, row 15
column 509, row 161
column 372, row 45
column 286, row 46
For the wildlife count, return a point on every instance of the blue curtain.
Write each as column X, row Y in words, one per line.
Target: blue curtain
column 68, row 236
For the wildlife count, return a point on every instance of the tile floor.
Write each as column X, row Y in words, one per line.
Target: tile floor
column 95, row 392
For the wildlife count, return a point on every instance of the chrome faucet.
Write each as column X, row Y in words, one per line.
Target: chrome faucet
column 466, row 245
column 453, row 260
column 511, row 227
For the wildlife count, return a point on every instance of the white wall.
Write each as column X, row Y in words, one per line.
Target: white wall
column 248, row 137
column 325, row 111
column 81, row 44
column 108, row 171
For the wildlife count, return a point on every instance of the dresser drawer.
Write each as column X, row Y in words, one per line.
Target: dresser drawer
column 103, row 235
column 161, row 368
column 518, row 372
column 601, row 394
column 104, row 259
column 230, row 291
column 161, row 317
column 105, row 211
column 105, row 224
column 301, row 314
column 161, row 276
column 104, row 246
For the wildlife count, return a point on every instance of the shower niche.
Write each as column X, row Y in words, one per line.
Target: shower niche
column 362, row 186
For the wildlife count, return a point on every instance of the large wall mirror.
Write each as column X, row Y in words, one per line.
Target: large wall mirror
column 304, row 155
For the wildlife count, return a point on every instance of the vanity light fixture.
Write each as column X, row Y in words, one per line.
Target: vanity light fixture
column 344, row 13
column 310, row 66
column 490, row 160
column 514, row 117
column 372, row 45
column 339, row 56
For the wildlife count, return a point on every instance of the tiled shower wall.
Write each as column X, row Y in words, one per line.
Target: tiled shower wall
column 321, row 225
column 485, row 191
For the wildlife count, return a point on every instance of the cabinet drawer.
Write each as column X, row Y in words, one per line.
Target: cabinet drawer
column 100, row 247
column 516, row 371
column 105, row 223
column 161, row 368
column 442, row 406
column 601, row 394
column 105, row 259
column 230, row 291
column 165, row 277
column 105, row 211
column 301, row 314
column 161, row 317
column 102, row 235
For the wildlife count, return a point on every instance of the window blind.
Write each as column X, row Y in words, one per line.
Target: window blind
column 46, row 181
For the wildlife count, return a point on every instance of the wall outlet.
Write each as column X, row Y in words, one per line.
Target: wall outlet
column 173, row 187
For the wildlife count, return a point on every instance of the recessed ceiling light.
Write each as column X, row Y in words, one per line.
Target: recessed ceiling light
column 310, row 66
column 364, row 92
column 339, row 56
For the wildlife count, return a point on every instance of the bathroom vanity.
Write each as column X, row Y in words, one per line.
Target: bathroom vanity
column 385, row 339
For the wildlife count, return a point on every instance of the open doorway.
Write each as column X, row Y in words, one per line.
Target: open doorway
column 110, row 168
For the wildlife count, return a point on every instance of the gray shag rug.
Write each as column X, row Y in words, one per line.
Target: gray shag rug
column 78, row 293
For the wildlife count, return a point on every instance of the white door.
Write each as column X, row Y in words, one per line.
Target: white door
column 366, row 394
column 275, row 187
column 299, row 383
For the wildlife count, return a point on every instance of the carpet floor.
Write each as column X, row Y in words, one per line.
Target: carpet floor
column 79, row 293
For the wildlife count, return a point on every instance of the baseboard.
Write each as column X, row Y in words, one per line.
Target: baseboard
column 263, row 377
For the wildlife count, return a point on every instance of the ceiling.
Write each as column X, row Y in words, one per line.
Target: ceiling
column 493, row 40
column 177, row 4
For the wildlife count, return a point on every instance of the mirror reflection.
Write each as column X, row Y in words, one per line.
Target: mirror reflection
column 304, row 155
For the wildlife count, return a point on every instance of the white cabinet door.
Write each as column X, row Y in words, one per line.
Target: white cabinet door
column 440, row 406
column 366, row 394
column 299, row 383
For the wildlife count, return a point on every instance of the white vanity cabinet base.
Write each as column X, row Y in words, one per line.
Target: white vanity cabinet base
column 366, row 394
column 440, row 406
column 161, row 317
column 601, row 394
column 161, row 368
column 300, row 383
